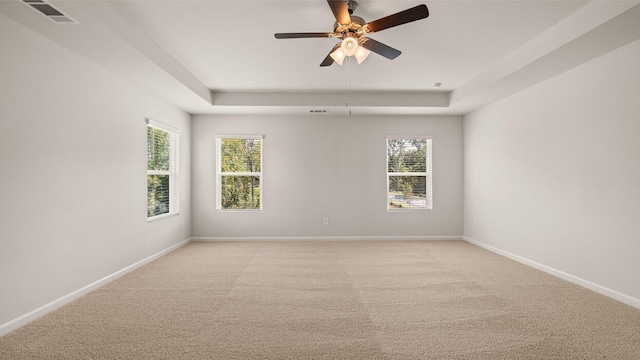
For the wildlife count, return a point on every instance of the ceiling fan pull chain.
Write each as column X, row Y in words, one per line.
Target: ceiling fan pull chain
column 348, row 86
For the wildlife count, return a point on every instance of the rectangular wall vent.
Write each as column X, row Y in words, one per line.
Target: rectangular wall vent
column 49, row 11
column 317, row 111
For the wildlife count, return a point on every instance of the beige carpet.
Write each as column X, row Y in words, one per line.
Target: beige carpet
column 333, row 300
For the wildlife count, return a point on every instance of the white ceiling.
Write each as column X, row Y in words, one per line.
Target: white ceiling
column 229, row 45
column 195, row 53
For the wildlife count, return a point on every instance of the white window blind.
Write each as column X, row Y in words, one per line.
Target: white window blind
column 239, row 172
column 161, row 170
column 409, row 173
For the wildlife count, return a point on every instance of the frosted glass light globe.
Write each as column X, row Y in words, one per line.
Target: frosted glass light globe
column 338, row 56
column 349, row 46
column 361, row 54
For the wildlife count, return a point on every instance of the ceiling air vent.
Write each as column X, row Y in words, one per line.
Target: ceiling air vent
column 49, row 11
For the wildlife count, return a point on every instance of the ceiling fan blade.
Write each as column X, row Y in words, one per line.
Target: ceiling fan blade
column 328, row 61
column 403, row 17
column 340, row 11
column 380, row 48
column 302, row 35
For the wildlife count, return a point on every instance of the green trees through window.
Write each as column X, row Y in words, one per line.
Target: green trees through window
column 409, row 173
column 239, row 173
column 160, row 171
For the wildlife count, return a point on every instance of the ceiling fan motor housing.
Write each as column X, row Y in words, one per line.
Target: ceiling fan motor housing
column 356, row 24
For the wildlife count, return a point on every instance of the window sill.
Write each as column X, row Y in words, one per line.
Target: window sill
column 162, row 216
column 238, row 210
column 408, row 210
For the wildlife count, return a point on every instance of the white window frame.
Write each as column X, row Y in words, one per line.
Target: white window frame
column 220, row 173
column 428, row 173
column 174, row 138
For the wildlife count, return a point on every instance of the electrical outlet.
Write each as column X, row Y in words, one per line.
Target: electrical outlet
column 475, row 222
column 325, row 221
column 182, row 224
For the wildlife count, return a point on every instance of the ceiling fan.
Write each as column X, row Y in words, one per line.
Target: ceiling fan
column 352, row 29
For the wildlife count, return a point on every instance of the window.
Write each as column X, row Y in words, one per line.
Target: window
column 162, row 196
column 239, row 172
column 409, row 173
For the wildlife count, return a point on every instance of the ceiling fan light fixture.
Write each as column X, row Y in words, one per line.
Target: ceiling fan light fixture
column 349, row 46
column 338, row 56
column 361, row 54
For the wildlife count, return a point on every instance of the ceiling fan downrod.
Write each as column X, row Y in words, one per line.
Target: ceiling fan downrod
column 352, row 5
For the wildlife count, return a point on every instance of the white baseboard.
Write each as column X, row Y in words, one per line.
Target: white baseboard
column 327, row 238
column 47, row 308
column 616, row 295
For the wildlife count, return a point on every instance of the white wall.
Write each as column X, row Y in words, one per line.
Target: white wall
column 327, row 166
column 552, row 173
column 73, row 172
